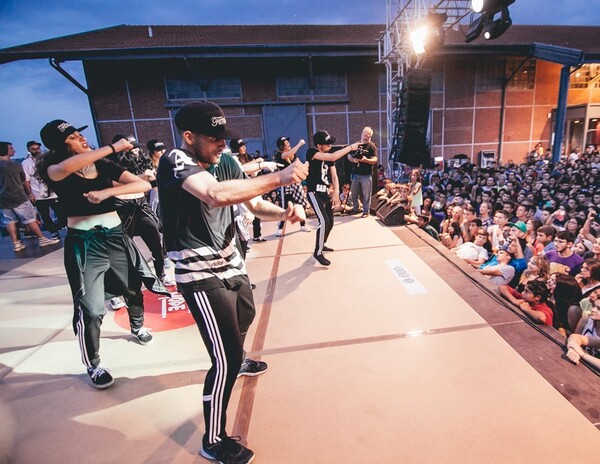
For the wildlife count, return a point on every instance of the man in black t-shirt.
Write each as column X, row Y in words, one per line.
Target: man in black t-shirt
column 322, row 176
column 198, row 186
column 363, row 160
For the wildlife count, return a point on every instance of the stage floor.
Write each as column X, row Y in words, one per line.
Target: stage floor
column 395, row 353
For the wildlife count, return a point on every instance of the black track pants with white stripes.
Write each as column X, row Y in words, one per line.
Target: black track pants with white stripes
column 324, row 210
column 223, row 317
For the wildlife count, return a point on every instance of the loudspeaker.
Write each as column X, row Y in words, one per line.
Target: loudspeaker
column 412, row 119
column 392, row 215
column 415, row 97
column 376, row 203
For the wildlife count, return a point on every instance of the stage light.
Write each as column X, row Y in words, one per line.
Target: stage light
column 491, row 28
column 418, row 38
column 496, row 28
column 477, row 5
column 489, row 6
column 429, row 35
column 476, row 28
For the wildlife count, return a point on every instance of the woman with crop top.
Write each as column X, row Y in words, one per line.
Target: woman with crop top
column 99, row 257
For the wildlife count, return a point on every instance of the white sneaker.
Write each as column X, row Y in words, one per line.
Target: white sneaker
column 279, row 233
column 19, row 245
column 116, row 303
column 305, row 228
column 45, row 241
column 167, row 281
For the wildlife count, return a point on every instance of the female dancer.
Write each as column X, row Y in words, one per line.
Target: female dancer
column 99, row 257
column 286, row 154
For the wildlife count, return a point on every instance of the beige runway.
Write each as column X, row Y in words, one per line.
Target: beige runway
column 390, row 355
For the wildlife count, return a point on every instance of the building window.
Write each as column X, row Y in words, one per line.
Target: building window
column 524, row 78
column 323, row 84
column 437, row 78
column 382, row 83
column 582, row 77
column 489, row 75
column 204, row 88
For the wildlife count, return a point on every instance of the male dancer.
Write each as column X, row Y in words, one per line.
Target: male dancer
column 198, row 186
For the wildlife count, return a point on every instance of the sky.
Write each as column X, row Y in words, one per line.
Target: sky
column 32, row 93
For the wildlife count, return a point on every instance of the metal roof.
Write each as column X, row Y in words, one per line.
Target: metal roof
column 152, row 41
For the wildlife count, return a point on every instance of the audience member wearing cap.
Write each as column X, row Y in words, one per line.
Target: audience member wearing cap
column 138, row 218
column 518, row 230
column 43, row 199
column 99, row 258
column 285, row 155
column 15, row 206
column 322, row 176
column 198, row 185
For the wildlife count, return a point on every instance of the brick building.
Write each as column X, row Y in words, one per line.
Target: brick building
column 295, row 79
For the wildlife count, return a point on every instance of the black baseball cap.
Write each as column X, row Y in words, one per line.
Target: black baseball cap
column 235, row 144
column 155, row 145
column 33, row 142
column 323, row 138
column 129, row 137
column 281, row 140
column 204, row 118
column 55, row 133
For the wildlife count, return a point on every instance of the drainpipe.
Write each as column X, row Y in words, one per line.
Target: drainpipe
column 561, row 113
column 505, row 82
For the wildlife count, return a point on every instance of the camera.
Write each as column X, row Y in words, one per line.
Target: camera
column 360, row 153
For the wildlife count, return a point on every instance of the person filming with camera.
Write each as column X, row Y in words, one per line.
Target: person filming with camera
column 363, row 159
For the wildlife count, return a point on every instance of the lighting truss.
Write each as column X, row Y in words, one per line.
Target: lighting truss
column 395, row 47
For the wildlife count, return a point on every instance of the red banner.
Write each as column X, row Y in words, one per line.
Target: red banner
column 161, row 312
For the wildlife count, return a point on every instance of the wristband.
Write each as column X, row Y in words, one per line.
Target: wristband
column 112, row 148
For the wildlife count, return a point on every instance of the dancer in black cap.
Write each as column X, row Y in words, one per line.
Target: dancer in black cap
column 322, row 176
column 99, row 257
column 286, row 154
column 198, row 187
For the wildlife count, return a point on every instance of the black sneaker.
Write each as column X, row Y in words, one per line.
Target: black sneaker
column 143, row 335
column 100, row 377
column 226, row 451
column 326, row 248
column 251, row 368
column 322, row 260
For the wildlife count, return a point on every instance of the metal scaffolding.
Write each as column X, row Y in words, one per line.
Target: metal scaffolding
column 395, row 49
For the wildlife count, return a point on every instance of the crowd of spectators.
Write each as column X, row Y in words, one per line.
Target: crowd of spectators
column 532, row 228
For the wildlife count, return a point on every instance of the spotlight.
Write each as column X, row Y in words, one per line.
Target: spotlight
column 496, row 28
column 418, row 37
column 489, row 6
column 476, row 28
column 477, row 5
column 485, row 23
column 429, row 35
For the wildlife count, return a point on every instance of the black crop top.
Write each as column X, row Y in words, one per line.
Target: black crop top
column 71, row 189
